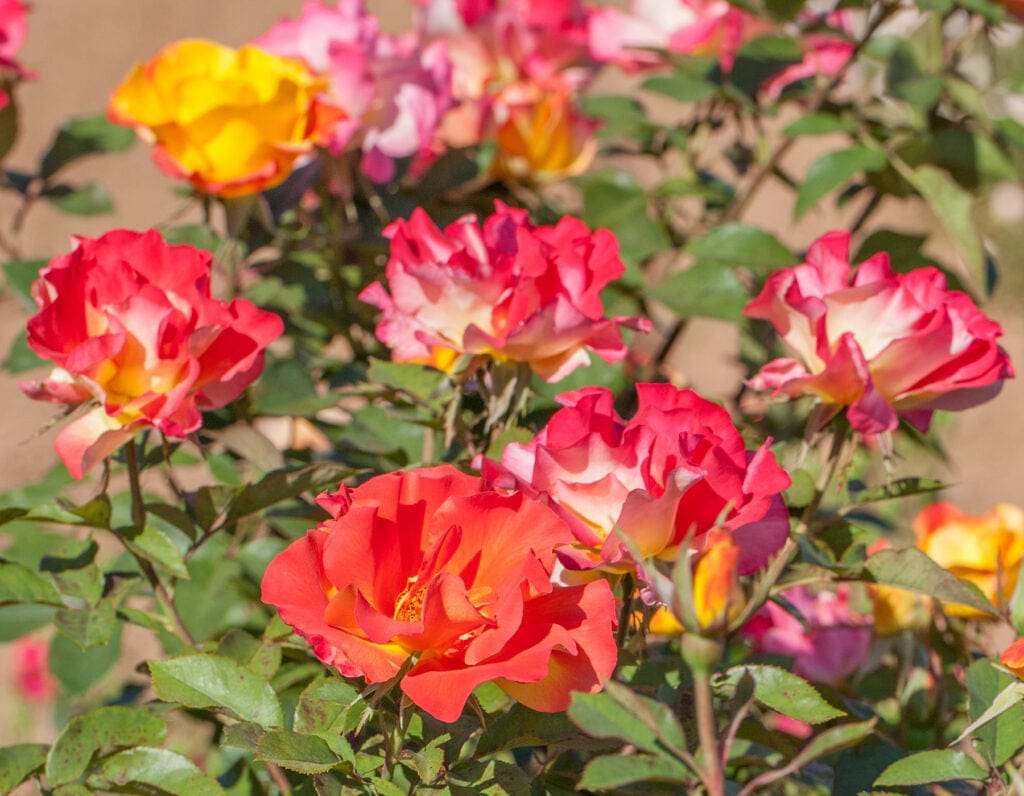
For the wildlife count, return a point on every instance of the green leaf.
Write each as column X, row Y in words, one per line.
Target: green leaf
column 819, row 124
column 198, row 236
column 623, row 117
column 90, row 199
column 286, row 388
column 88, row 627
column 84, row 136
column 934, row 765
column 600, row 716
column 783, row 691
column 160, row 769
column 708, row 290
column 206, row 681
column 18, row 762
column 656, row 716
column 954, row 207
column 616, row 201
column 737, row 245
column 1002, row 735
column 613, row 771
column 78, row 670
column 284, row 484
column 21, row 358
column 19, row 584
column 832, row 170
column 419, row 381
column 900, row 487
column 306, row 754
column 912, row 569
column 683, row 85
column 329, row 706
column 103, row 728
column 832, row 740
column 156, row 546
column 520, row 726
column 20, row 275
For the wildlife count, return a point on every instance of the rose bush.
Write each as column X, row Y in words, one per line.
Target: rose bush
column 507, row 289
column 231, row 122
column 130, row 324
column 883, row 345
column 677, row 467
column 429, row 568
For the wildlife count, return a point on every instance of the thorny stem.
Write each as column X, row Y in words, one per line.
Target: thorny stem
column 139, row 521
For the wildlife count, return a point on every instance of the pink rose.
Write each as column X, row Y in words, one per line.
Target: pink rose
column 696, row 27
column 393, row 88
column 130, row 323
column 499, row 50
column 883, row 344
column 13, row 14
column 508, row 289
column 832, row 644
column 678, row 465
column 32, row 678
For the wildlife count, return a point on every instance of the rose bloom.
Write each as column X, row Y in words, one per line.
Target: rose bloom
column 501, row 49
column 130, row 324
column 394, row 89
column 985, row 550
column 695, row 27
column 705, row 27
column 544, row 140
column 430, row 567
column 1013, row 658
column 32, row 678
column 883, row 345
column 827, row 647
column 508, row 290
column 677, row 467
column 232, row 122
column 13, row 27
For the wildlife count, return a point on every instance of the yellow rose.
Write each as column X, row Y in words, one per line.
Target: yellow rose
column 232, row 122
column 985, row 550
column 544, row 140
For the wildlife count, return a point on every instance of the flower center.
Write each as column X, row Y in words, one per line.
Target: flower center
column 409, row 606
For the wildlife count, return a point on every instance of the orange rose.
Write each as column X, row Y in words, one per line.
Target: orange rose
column 985, row 550
column 1013, row 658
column 544, row 140
column 232, row 122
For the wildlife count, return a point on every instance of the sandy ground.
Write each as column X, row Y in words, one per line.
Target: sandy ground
column 82, row 49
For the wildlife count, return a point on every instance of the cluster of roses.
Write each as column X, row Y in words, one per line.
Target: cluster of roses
column 472, row 71
column 439, row 578
column 452, row 580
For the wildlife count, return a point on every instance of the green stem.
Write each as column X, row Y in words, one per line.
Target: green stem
column 139, row 521
column 138, row 504
column 712, row 774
